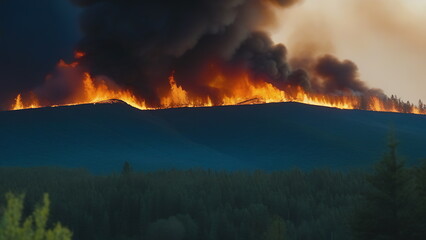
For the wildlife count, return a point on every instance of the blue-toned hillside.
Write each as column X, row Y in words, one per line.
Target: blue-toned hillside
column 272, row 136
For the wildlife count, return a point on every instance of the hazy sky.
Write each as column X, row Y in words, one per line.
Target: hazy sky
column 385, row 38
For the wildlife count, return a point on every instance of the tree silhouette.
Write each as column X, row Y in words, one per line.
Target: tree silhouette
column 385, row 213
column 127, row 169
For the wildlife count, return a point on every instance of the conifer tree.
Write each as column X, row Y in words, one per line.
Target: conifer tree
column 388, row 204
column 127, row 169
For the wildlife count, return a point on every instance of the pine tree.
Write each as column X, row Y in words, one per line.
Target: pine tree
column 388, row 204
column 127, row 169
column 421, row 105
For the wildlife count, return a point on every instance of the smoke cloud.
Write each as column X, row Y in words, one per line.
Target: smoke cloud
column 210, row 48
column 339, row 76
column 385, row 38
column 140, row 43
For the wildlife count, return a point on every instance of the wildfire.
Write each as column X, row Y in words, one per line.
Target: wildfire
column 178, row 97
column 18, row 105
column 241, row 90
column 94, row 93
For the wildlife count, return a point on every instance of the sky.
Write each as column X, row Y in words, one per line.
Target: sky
column 34, row 35
column 386, row 39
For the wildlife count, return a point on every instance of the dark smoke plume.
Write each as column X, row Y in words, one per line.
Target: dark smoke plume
column 339, row 76
column 139, row 43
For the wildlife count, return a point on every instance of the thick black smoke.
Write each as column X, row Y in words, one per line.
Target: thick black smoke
column 329, row 75
column 138, row 43
column 339, row 76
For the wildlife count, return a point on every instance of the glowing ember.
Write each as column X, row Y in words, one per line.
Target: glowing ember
column 79, row 55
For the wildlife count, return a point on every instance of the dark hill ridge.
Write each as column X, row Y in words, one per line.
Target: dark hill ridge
column 270, row 136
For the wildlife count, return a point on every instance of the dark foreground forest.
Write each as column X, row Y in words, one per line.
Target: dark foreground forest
column 388, row 202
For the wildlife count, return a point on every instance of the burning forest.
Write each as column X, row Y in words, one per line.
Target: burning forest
column 197, row 53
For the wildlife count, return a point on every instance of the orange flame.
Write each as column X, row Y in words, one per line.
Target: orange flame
column 178, row 97
column 91, row 92
column 241, row 90
column 18, row 105
column 101, row 92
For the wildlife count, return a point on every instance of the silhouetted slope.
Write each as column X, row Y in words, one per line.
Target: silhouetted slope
column 271, row 136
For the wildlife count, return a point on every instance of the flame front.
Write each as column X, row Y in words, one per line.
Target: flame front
column 178, row 97
column 236, row 90
column 101, row 92
column 90, row 92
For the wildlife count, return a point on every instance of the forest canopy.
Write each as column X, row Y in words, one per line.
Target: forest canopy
column 388, row 202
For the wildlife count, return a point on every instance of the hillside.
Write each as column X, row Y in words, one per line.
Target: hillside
column 272, row 136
